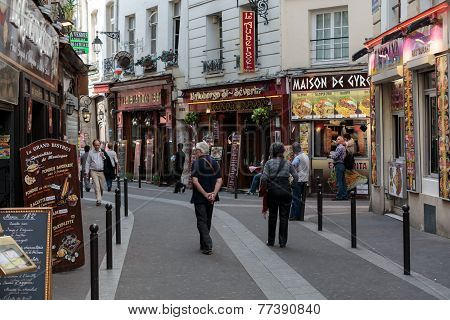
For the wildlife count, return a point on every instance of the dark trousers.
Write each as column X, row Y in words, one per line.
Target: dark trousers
column 178, row 184
column 109, row 182
column 298, row 198
column 204, row 213
column 279, row 204
column 340, row 179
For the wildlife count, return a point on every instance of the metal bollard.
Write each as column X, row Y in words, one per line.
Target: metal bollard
column 118, row 231
column 236, row 187
column 109, row 236
column 319, row 205
column 353, row 217
column 118, row 182
column 406, row 241
column 94, row 262
column 140, row 177
column 303, row 202
column 81, row 185
column 125, row 195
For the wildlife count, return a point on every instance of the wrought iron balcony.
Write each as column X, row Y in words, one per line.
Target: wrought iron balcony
column 108, row 66
column 213, row 66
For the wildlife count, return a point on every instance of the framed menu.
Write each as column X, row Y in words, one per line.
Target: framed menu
column 122, row 156
column 137, row 159
column 234, row 161
column 50, row 179
column 410, row 143
column 149, row 155
column 31, row 229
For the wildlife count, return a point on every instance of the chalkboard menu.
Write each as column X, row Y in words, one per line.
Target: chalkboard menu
column 234, row 161
column 122, row 156
column 149, row 154
column 50, row 179
column 31, row 228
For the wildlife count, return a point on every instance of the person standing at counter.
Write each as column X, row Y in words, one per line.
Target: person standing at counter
column 276, row 177
column 339, row 167
column 349, row 143
column 301, row 164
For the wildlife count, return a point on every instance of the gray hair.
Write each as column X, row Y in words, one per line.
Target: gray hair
column 296, row 147
column 277, row 149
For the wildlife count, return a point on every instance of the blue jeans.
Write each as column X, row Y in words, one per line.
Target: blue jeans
column 340, row 179
column 297, row 194
column 255, row 183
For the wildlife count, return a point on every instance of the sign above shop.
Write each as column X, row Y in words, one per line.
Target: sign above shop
column 140, row 98
column 28, row 40
column 248, row 48
column 245, row 105
column 227, row 94
column 80, row 42
column 101, row 88
column 386, row 56
column 331, row 82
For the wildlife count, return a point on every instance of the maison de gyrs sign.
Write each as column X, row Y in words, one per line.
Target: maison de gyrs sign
column 331, row 82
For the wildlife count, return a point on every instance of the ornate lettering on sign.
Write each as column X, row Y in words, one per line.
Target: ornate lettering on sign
column 331, row 82
column 248, row 41
column 239, row 105
column 146, row 97
column 223, row 94
column 386, row 56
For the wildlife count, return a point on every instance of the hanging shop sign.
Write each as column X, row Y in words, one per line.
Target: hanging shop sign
column 410, row 143
column 140, row 98
column 443, row 126
column 386, row 56
column 253, row 91
column 101, row 88
column 330, row 104
column 396, row 179
column 50, row 179
column 9, row 83
column 29, row 41
column 31, row 229
column 79, row 42
column 234, row 162
column 331, row 82
column 424, row 41
column 248, row 48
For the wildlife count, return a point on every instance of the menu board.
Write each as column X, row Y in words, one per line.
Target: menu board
column 396, row 180
column 443, row 126
column 305, row 129
column 410, row 143
column 234, row 161
column 31, row 228
column 122, row 156
column 50, row 179
column 373, row 136
column 149, row 154
column 137, row 159
column 331, row 104
column 5, row 147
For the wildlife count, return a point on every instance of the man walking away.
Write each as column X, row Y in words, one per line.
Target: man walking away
column 207, row 181
column 83, row 158
column 276, row 177
column 301, row 165
column 180, row 158
column 94, row 168
column 339, row 167
column 115, row 166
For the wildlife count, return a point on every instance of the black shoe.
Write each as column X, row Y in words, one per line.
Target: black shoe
column 109, row 189
column 184, row 188
column 269, row 244
column 207, row 252
column 294, row 219
column 282, row 246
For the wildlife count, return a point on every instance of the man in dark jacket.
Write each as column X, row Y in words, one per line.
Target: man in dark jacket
column 178, row 169
column 207, row 181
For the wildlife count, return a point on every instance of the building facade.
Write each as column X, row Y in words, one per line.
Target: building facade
column 329, row 93
column 408, row 63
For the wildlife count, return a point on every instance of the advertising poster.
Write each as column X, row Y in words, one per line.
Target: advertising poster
column 357, row 178
column 331, row 104
column 122, row 156
column 5, row 147
column 443, row 126
column 305, row 129
column 50, row 179
column 373, row 137
column 410, row 143
column 234, row 161
column 31, row 228
column 397, row 179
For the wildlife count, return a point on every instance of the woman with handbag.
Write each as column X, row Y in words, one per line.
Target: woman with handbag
column 276, row 174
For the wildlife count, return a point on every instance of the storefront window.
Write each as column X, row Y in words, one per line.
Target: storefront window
column 432, row 135
column 326, row 133
column 399, row 136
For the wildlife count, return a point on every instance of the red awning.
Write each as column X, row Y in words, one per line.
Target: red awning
column 101, row 88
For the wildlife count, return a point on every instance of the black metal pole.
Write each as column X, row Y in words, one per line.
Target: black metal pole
column 118, row 182
column 140, row 177
column 303, row 202
column 236, row 186
column 118, row 233
column 125, row 195
column 406, row 242
column 81, row 185
column 319, row 205
column 109, row 236
column 94, row 262
column 353, row 217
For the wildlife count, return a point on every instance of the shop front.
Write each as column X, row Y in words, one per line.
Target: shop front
column 144, row 128
column 411, row 112
column 239, row 141
column 323, row 107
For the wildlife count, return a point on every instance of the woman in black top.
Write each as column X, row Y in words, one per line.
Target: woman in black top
column 276, row 178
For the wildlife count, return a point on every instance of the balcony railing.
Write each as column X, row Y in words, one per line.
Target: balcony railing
column 213, row 66
column 108, row 66
column 329, row 50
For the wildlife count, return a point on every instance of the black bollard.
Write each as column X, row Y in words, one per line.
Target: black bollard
column 109, row 236
column 353, row 217
column 118, row 231
column 125, row 195
column 303, row 202
column 406, row 242
column 140, row 177
column 81, row 185
column 94, row 262
column 236, row 187
column 118, row 182
column 319, row 207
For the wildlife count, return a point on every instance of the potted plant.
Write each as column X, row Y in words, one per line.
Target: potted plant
column 69, row 9
column 261, row 115
column 192, row 118
column 169, row 58
column 147, row 62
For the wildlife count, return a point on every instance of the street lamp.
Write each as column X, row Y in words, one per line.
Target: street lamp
column 86, row 115
column 97, row 44
column 69, row 109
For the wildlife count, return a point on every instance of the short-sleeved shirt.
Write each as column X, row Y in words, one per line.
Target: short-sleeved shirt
column 301, row 164
column 207, row 171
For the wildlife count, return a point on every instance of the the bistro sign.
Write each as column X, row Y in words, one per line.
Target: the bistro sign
column 144, row 97
column 28, row 40
column 331, row 82
column 226, row 93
